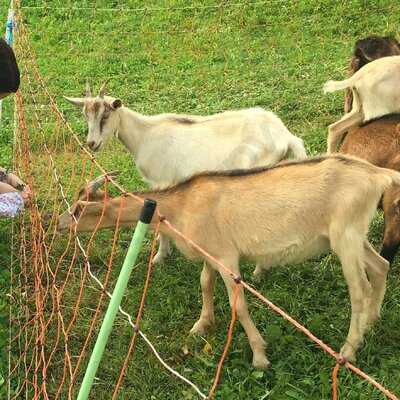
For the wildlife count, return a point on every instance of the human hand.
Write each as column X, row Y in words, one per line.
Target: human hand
column 27, row 196
column 15, row 181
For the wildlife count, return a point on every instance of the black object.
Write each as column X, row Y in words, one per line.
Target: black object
column 3, row 175
column 147, row 211
column 9, row 72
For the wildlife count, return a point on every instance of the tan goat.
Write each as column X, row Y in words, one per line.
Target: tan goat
column 280, row 215
column 375, row 93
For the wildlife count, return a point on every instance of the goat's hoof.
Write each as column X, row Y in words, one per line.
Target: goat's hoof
column 347, row 351
column 202, row 327
column 260, row 361
column 158, row 258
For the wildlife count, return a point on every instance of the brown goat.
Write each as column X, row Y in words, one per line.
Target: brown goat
column 280, row 215
column 379, row 143
column 366, row 50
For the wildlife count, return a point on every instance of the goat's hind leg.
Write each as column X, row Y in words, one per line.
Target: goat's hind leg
column 337, row 130
column 353, row 266
column 377, row 269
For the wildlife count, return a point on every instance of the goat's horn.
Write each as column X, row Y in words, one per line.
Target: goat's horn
column 103, row 89
column 95, row 184
column 99, row 181
column 88, row 92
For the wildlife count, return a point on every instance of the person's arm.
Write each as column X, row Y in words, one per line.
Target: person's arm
column 11, row 179
column 6, row 188
column 12, row 183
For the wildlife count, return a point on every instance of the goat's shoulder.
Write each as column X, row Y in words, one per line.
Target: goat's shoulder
column 174, row 118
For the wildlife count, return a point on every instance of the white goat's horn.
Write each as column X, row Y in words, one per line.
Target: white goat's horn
column 88, row 92
column 103, row 89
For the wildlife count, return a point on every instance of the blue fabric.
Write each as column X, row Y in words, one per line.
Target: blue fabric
column 11, row 204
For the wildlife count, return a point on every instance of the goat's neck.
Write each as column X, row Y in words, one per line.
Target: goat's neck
column 132, row 129
column 167, row 206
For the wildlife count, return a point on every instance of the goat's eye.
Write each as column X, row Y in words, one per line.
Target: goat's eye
column 77, row 211
column 103, row 120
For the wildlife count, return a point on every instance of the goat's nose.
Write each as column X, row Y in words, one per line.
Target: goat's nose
column 91, row 144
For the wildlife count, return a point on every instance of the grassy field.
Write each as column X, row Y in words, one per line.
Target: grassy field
column 202, row 60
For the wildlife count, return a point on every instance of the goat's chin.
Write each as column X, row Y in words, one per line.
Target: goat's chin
column 65, row 223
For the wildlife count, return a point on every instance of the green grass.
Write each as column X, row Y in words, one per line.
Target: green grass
column 203, row 60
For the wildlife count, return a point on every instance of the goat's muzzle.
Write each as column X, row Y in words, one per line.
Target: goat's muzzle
column 94, row 146
column 64, row 222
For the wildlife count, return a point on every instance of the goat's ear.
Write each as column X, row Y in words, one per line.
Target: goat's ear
column 80, row 205
column 76, row 101
column 117, row 103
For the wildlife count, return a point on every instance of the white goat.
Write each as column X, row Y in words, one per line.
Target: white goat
column 169, row 148
column 376, row 93
column 281, row 215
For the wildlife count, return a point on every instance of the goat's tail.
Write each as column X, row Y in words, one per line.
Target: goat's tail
column 333, row 86
column 390, row 178
column 395, row 175
column 296, row 146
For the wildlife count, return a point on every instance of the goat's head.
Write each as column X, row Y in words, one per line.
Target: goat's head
column 371, row 48
column 101, row 113
column 91, row 205
column 366, row 50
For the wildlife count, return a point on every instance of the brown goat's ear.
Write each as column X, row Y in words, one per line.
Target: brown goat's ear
column 355, row 65
column 79, row 206
column 77, row 209
column 117, row 103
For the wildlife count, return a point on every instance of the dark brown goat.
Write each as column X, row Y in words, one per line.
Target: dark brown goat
column 379, row 143
column 366, row 50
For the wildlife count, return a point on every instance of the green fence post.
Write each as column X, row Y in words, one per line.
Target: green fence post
column 119, row 290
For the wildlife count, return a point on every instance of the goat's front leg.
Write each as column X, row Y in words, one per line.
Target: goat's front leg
column 256, row 341
column 377, row 270
column 207, row 320
column 164, row 249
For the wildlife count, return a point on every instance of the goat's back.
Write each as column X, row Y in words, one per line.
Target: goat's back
column 377, row 141
column 287, row 205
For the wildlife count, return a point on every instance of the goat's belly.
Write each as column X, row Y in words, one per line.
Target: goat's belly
column 293, row 253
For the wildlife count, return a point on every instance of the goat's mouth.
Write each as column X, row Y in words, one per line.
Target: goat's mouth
column 64, row 222
column 96, row 147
